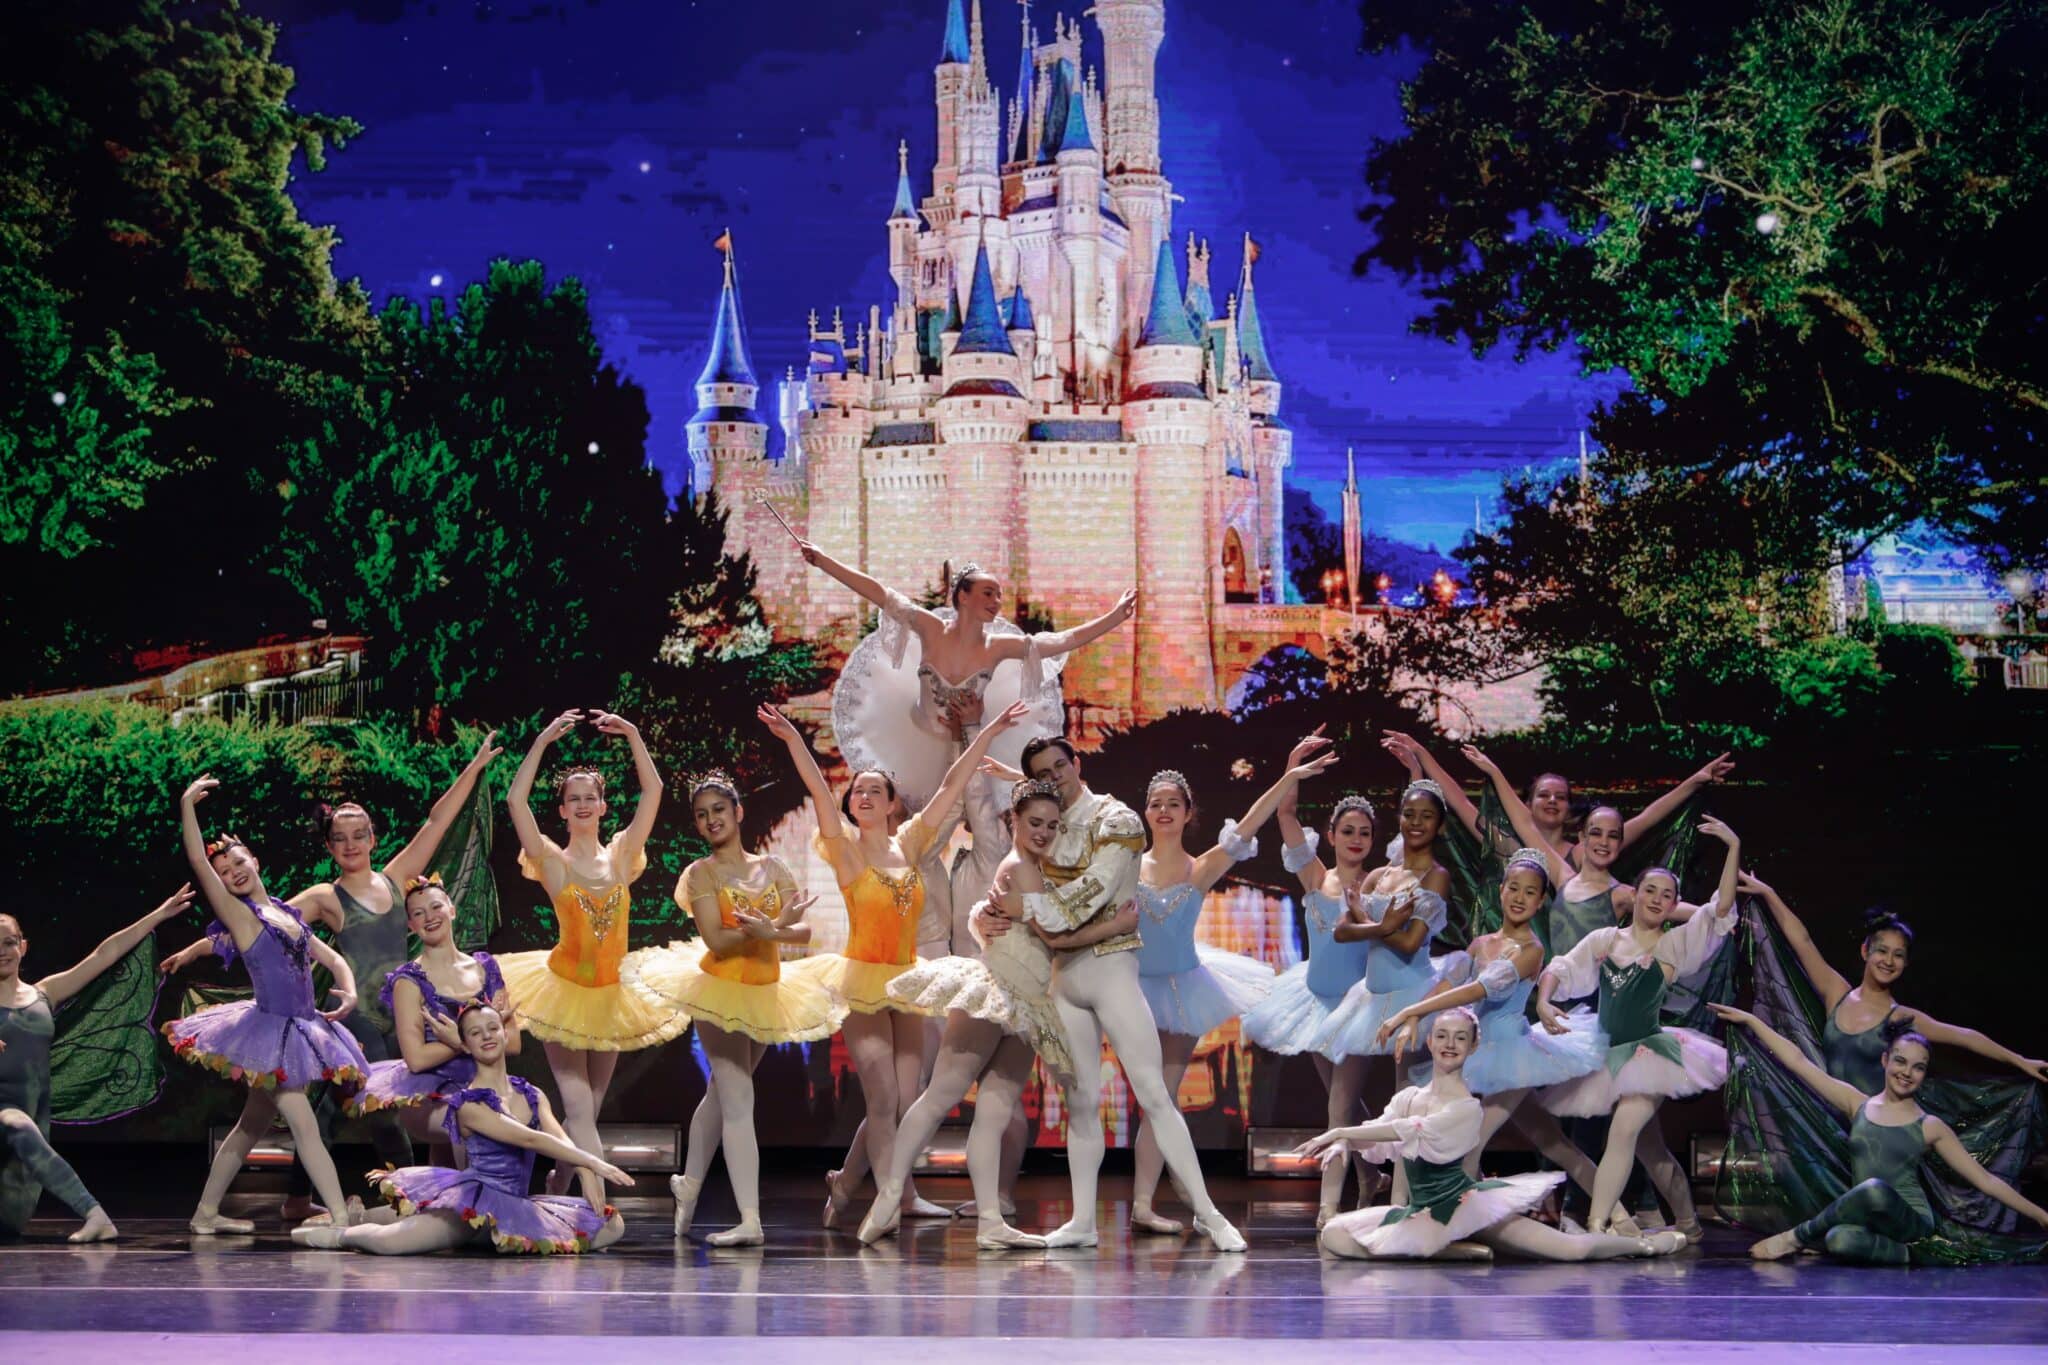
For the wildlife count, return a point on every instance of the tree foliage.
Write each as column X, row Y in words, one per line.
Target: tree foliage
column 1805, row 229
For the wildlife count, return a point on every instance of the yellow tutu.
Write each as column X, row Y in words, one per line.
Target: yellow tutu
column 861, row 987
column 607, row 1018
column 793, row 1009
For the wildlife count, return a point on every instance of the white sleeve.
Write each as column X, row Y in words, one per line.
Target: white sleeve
column 1442, row 1136
column 1432, row 910
column 1295, row 857
column 1578, row 972
column 1499, row 977
column 1692, row 945
column 899, row 614
column 1234, row 845
column 1040, row 910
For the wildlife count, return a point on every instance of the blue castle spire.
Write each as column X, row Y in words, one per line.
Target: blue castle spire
column 727, row 363
column 1167, row 323
column 1022, row 150
column 1073, row 123
column 905, row 207
column 1020, row 311
column 1251, row 337
column 955, row 48
column 981, row 332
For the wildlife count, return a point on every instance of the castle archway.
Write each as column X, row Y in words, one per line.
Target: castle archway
column 1236, row 588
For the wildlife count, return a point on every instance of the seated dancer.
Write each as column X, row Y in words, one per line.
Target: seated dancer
column 999, row 1012
column 1512, row 1061
column 277, row 1044
column 1885, row 1209
column 878, row 875
column 1852, row 1047
column 502, row 1122
column 1432, row 1129
column 1191, row 989
column 571, row 998
column 746, row 906
column 1092, row 868
column 1292, row 1019
column 361, row 908
column 910, row 715
column 422, row 998
column 28, row 1163
column 1646, row 1063
column 1399, row 909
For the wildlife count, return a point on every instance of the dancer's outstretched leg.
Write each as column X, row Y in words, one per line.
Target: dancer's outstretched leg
column 1175, row 1051
column 1000, row 1096
column 964, row 1051
column 1085, row 1141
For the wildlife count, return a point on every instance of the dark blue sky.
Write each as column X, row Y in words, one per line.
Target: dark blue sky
column 613, row 139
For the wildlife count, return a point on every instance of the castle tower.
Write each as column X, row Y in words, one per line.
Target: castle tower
column 1272, row 442
column 1072, row 149
column 1132, row 31
column 980, row 421
column 949, row 78
column 729, row 443
column 1168, row 415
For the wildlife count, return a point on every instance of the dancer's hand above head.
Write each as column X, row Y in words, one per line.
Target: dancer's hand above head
column 1305, row 746
column 613, row 724
column 809, row 552
column 487, row 749
column 1015, row 715
column 1126, row 606
column 1715, row 829
column 176, row 904
column 1716, row 770
column 1001, row 771
column 201, row 788
column 1479, row 760
column 778, row 724
column 1749, row 884
column 559, row 726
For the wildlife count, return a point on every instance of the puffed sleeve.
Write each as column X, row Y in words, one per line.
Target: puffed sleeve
column 1295, row 857
column 914, row 839
column 1119, row 843
column 629, row 851
column 1040, row 910
column 695, row 885
column 551, row 854
column 1432, row 910
column 1499, row 979
column 897, row 626
column 1693, row 944
column 1441, row 1135
column 1234, row 845
column 1577, row 973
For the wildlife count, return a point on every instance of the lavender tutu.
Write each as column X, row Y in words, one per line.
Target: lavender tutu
column 492, row 1194
column 393, row 1084
column 278, row 1040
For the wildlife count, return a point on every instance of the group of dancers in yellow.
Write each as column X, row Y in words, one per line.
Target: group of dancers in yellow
column 1070, row 921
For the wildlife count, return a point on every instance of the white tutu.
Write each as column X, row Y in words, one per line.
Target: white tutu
column 961, row 983
column 876, row 702
column 1353, row 1028
column 1418, row 1234
column 1222, row 988
column 1704, row 1067
column 1291, row 1018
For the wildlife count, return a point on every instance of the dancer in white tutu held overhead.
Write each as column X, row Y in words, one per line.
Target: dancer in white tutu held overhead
column 1192, row 988
column 1646, row 1062
column 1449, row 1214
column 914, row 694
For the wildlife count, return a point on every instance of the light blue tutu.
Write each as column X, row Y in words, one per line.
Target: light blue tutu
column 1391, row 984
column 1514, row 1055
column 1291, row 1018
column 1191, row 988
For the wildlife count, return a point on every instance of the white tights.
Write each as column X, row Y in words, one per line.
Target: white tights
column 1097, row 995
column 257, row 1111
column 1539, row 1126
column 726, row 1115
column 582, row 1077
column 443, row 1230
column 970, row 1050
column 1634, row 1135
column 1519, row 1236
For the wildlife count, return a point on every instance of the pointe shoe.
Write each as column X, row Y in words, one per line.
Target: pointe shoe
column 684, row 1190
column 1000, row 1236
column 1624, row 1226
column 98, row 1228
column 746, row 1234
column 353, row 1208
column 883, row 1216
column 1218, row 1230
column 320, row 1237
column 917, row 1206
column 1144, row 1220
column 1324, row 1214
column 1775, row 1248
column 971, row 1210
column 1693, row 1233
column 1072, row 1233
column 835, row 1202
column 1662, row 1242
column 213, row 1225
column 1464, row 1251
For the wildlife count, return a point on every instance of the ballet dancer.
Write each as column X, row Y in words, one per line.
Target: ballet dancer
column 1885, row 1209
column 422, row 998
column 28, row 1163
column 746, row 906
column 1646, row 1063
column 1190, row 989
column 1852, row 1044
column 570, row 998
column 1512, row 1061
column 878, row 876
column 999, row 1013
column 1587, row 894
column 1092, row 870
column 1292, row 1018
column 277, row 1044
column 1432, row 1129
column 502, row 1122
column 357, row 909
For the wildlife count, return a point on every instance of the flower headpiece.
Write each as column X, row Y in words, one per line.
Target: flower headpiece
column 222, row 845
column 716, row 780
column 430, row 881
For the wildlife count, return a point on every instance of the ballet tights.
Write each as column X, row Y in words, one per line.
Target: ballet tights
column 442, row 1230
column 1175, row 1051
column 1344, row 1083
column 51, row 1171
column 1635, row 1135
column 1870, row 1225
column 734, row 1057
column 1518, row 1236
column 1097, row 995
column 1542, row 1130
column 582, row 1077
column 257, row 1111
column 970, row 1050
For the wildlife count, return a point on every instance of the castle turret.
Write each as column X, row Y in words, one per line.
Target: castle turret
column 1272, row 442
column 949, row 78
column 1071, row 147
column 981, row 419
column 1168, row 415
column 1131, row 33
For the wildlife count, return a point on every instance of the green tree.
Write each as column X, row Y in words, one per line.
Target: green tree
column 1806, row 230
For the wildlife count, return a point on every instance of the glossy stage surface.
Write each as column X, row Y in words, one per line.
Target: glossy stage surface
column 928, row 1294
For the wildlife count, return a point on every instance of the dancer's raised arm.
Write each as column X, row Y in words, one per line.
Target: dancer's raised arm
column 869, row 589
column 1211, row 865
column 1949, row 1148
column 61, row 986
column 1422, row 763
column 241, row 922
column 1520, row 816
column 954, row 785
column 649, row 777
column 519, row 795
column 411, row 861
column 1298, row 846
column 1970, row 1040
column 1831, row 984
column 1647, row 818
column 1051, row 644
column 1840, row 1094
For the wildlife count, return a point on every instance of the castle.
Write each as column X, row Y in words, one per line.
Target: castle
column 1040, row 397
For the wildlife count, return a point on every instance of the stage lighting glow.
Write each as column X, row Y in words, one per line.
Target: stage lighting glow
column 434, row 280
column 1767, row 223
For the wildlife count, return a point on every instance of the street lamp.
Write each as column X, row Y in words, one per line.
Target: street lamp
column 1333, row 584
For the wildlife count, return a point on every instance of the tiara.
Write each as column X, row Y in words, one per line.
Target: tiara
column 1031, row 788
column 430, row 881
column 1171, row 777
column 1422, row 784
column 1352, row 802
column 965, row 574
column 1530, row 857
column 715, row 779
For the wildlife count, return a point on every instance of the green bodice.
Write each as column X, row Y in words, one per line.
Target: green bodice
column 1631, row 1001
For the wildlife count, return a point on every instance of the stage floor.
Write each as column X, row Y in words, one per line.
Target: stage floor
column 162, row 1295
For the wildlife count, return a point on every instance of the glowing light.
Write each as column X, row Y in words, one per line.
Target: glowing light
column 60, row 398
column 592, row 447
column 646, row 166
column 434, row 280
column 1767, row 223
column 1699, row 163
